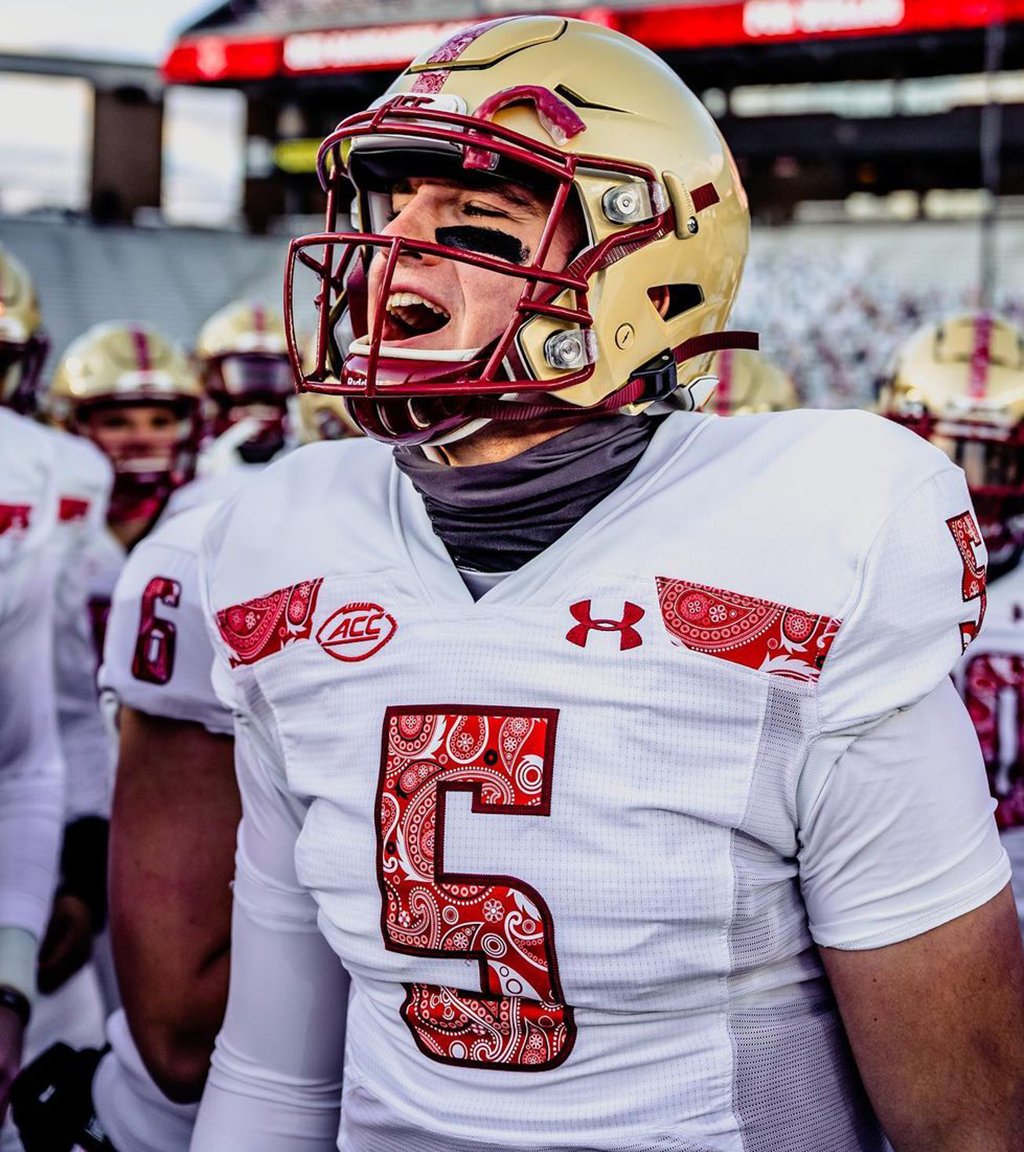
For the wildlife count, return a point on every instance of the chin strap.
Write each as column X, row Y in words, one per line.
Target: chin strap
column 656, row 380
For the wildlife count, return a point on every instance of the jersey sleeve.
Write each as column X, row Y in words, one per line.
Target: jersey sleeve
column 157, row 656
column 897, row 834
column 276, row 1074
column 31, row 765
column 85, row 738
column 917, row 602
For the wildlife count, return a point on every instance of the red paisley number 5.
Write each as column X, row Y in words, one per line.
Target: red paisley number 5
column 968, row 541
column 519, row 1020
column 153, row 661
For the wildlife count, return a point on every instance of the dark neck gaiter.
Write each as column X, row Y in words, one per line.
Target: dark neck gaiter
column 496, row 517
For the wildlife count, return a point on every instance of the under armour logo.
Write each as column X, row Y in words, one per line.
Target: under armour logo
column 629, row 637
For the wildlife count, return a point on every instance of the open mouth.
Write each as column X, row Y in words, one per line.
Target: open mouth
column 408, row 314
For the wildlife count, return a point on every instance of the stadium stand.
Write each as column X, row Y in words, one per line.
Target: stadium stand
column 831, row 301
column 172, row 278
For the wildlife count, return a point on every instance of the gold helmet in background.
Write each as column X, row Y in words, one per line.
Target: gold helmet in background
column 23, row 342
column 243, row 362
column 960, row 384
column 609, row 136
column 121, row 363
column 324, row 418
column 749, row 382
column 116, row 366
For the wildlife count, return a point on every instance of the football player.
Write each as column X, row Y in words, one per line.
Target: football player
column 960, row 384
column 242, row 359
column 587, row 732
column 24, row 342
column 31, row 765
column 173, row 825
column 83, row 479
column 246, row 375
column 135, row 395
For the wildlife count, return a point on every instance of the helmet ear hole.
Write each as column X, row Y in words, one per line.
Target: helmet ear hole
column 672, row 300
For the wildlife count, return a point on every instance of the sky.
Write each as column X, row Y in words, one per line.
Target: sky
column 112, row 29
column 45, row 123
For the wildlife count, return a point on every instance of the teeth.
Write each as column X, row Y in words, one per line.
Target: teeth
column 407, row 299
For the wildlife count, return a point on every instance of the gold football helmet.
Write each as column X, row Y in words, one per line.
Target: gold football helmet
column 245, row 371
column 23, row 342
column 749, row 382
column 960, row 384
column 119, row 366
column 606, row 136
column 324, row 417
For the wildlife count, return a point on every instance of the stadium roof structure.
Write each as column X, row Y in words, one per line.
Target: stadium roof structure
column 248, row 41
column 819, row 99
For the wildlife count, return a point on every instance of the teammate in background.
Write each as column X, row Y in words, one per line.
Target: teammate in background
column 175, row 814
column 749, row 382
column 31, row 766
column 960, row 384
column 583, row 733
column 166, row 864
column 71, row 1006
column 242, row 357
column 130, row 391
column 324, row 418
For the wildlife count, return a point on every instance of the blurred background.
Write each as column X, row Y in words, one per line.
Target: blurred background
column 155, row 157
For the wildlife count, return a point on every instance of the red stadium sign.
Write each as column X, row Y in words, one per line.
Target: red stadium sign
column 777, row 21
column 214, row 58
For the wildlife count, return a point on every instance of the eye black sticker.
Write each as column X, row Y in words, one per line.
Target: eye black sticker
column 487, row 241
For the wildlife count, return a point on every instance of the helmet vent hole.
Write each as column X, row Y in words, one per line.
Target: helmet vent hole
column 672, row 300
column 581, row 102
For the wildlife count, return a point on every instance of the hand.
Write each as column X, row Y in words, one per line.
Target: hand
column 11, row 1035
column 67, row 944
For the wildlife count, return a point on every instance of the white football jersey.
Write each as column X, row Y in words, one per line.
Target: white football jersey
column 157, row 656
column 84, row 479
column 31, row 766
column 575, row 841
column 104, row 560
column 209, row 489
column 991, row 680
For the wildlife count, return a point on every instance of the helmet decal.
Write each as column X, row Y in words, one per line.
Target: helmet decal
column 141, row 344
column 448, row 53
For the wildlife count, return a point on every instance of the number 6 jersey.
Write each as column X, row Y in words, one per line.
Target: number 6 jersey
column 575, row 842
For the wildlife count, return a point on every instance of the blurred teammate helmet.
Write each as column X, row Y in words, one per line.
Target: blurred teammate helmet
column 246, row 374
column 610, row 140
column 324, row 417
column 749, row 382
column 960, row 384
column 114, row 367
column 23, row 342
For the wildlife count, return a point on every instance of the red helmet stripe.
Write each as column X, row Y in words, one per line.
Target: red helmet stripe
column 981, row 356
column 705, row 196
column 723, row 399
column 141, row 342
column 450, row 51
